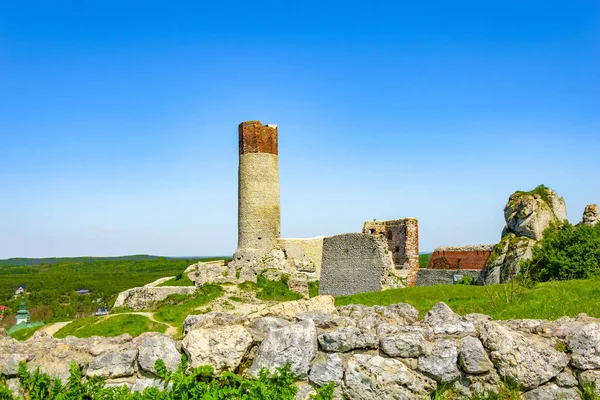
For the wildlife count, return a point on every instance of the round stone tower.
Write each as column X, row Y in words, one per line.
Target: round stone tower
column 258, row 212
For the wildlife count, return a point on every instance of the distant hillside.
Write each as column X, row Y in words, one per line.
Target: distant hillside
column 26, row 262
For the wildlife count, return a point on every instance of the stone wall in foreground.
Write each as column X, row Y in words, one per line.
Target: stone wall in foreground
column 367, row 352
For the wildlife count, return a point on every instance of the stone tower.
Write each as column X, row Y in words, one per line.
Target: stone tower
column 258, row 190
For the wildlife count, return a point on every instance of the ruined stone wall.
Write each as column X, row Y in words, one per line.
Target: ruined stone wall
column 403, row 241
column 258, row 213
column 300, row 249
column 459, row 258
column 431, row 277
column 356, row 263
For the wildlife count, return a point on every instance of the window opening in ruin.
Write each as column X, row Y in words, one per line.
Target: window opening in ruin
column 397, row 249
column 390, row 235
column 371, row 231
column 259, row 238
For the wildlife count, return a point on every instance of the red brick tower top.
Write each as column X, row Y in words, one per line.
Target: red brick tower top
column 256, row 138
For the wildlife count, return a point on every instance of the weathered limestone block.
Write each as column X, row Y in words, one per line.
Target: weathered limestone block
column 552, row 391
column 261, row 327
column 145, row 297
column 222, row 347
column 290, row 309
column 158, row 348
column 326, row 368
column 530, row 361
column 504, row 263
column 142, row 384
column 295, row 344
column 346, row 339
column 590, row 377
column 355, row 263
column 585, row 345
column 439, row 361
column 209, row 320
column 473, row 358
column 566, row 379
column 9, row 364
column 403, row 345
column 374, row 377
column 113, row 365
column 444, row 321
column 591, row 215
column 57, row 362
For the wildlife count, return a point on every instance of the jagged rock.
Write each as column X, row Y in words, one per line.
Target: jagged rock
column 295, row 344
column 9, row 364
column 527, row 215
column 113, row 365
column 439, row 362
column 473, row 358
column 374, row 377
column 140, row 298
column 591, row 215
column 142, row 384
column 566, row 378
column 326, row 321
column 346, row 339
column 290, row 309
column 305, row 391
column 158, row 348
column 403, row 345
column 552, row 392
column 261, row 327
column 529, row 361
column 444, row 321
column 222, row 347
column 56, row 362
column 401, row 313
column 585, row 345
column 209, row 320
column 326, row 368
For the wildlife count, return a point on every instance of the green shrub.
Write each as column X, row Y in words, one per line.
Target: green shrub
column 199, row 384
column 424, row 260
column 276, row 291
column 313, row 288
column 466, row 280
column 565, row 252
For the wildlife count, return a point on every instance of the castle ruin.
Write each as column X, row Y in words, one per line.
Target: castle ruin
column 385, row 255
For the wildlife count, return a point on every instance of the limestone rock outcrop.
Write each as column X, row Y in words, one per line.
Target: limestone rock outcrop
column 527, row 216
column 141, row 298
column 591, row 215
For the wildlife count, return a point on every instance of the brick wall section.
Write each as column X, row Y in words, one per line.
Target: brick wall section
column 256, row 138
column 460, row 258
column 403, row 242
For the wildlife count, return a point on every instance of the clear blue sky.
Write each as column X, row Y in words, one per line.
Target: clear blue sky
column 118, row 119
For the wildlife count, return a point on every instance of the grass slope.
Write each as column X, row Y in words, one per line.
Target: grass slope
column 133, row 324
column 183, row 281
column 550, row 300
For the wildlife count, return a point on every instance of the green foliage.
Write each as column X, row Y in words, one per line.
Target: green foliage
column 540, row 190
column 324, row 392
column 508, row 391
column 199, row 384
column 566, row 252
column 275, row 291
column 183, row 280
column 24, row 334
column 548, row 300
column 313, row 288
column 424, row 260
column 466, row 280
column 116, row 325
column 52, row 282
column 563, row 347
column 589, row 392
column 175, row 308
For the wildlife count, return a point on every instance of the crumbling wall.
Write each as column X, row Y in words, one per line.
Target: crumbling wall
column 459, row 258
column 403, row 241
column 301, row 251
column 431, row 277
column 356, row 263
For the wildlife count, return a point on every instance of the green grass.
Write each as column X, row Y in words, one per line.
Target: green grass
column 183, row 281
column 24, row 334
column 540, row 190
column 175, row 308
column 133, row 324
column 270, row 290
column 313, row 288
column 424, row 260
column 550, row 300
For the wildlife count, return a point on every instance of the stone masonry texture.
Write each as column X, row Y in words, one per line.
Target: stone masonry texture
column 352, row 263
column 460, row 258
column 258, row 213
column 403, row 241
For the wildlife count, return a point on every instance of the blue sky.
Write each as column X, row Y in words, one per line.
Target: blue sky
column 118, row 119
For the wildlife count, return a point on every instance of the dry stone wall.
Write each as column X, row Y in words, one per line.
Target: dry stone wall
column 367, row 352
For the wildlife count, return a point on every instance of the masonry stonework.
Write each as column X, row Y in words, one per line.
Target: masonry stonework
column 258, row 191
column 403, row 241
column 461, row 257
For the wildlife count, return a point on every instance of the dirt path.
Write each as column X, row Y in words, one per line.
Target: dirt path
column 53, row 328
